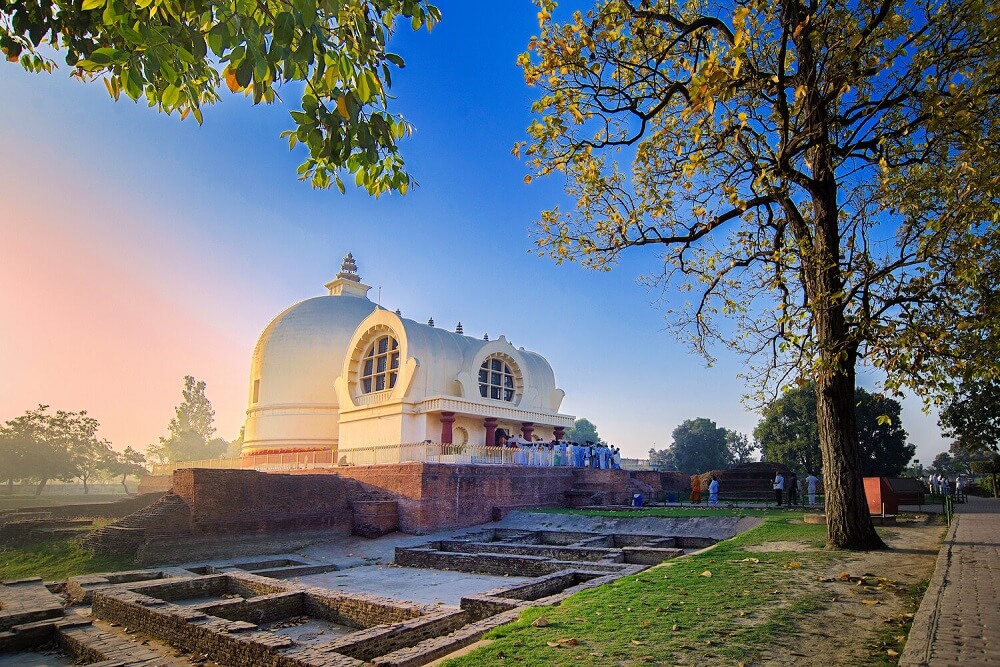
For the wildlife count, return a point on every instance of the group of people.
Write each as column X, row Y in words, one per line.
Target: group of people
column 713, row 490
column 559, row 453
column 939, row 484
column 808, row 486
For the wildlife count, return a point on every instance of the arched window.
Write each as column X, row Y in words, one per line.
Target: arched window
column 497, row 380
column 380, row 365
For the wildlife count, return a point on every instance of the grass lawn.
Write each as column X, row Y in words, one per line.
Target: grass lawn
column 56, row 559
column 683, row 512
column 724, row 606
column 20, row 501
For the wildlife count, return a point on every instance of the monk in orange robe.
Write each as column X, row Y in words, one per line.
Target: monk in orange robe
column 695, row 489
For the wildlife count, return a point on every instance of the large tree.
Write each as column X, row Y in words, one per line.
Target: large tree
column 176, row 55
column 129, row 462
column 698, row 446
column 42, row 446
column 788, row 432
column 818, row 173
column 192, row 428
column 972, row 417
column 583, row 431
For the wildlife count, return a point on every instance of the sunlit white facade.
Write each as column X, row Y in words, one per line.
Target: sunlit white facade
column 340, row 372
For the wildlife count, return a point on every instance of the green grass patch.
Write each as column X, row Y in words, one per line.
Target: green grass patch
column 679, row 512
column 21, row 501
column 891, row 639
column 56, row 559
column 724, row 605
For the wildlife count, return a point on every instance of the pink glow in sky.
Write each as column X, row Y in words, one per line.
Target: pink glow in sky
column 89, row 324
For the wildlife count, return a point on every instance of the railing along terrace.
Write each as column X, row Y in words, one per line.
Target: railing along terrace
column 427, row 452
column 322, row 458
column 636, row 464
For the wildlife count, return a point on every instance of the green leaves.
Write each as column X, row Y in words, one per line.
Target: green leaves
column 178, row 55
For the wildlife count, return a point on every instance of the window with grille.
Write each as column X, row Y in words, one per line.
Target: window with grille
column 497, row 380
column 380, row 365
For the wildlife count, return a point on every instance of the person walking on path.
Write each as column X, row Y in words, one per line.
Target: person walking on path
column 793, row 490
column 713, row 491
column 811, row 482
column 695, row 489
column 779, row 487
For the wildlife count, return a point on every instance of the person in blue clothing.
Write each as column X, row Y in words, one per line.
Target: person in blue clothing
column 713, row 491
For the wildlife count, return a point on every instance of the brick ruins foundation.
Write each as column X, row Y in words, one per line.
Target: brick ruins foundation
column 248, row 613
column 416, row 498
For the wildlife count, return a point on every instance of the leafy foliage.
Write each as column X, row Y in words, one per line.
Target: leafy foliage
column 176, row 54
column 991, row 467
column 972, row 417
column 191, row 429
column 740, row 447
column 817, row 173
column 583, row 430
column 127, row 463
column 699, row 445
column 42, row 446
column 788, row 433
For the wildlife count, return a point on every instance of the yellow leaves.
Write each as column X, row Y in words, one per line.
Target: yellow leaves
column 540, row 622
column 342, row 107
column 92, row 4
column 892, row 653
column 706, row 573
column 527, row 179
column 740, row 15
column 566, row 641
column 231, row 82
column 793, row 564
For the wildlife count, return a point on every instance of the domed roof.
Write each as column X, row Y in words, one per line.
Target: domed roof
column 301, row 352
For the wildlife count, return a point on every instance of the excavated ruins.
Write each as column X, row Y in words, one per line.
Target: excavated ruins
column 306, row 609
column 404, row 565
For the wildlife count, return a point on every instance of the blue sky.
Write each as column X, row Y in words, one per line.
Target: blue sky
column 143, row 249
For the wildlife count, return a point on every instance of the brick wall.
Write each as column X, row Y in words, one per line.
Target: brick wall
column 434, row 496
column 246, row 500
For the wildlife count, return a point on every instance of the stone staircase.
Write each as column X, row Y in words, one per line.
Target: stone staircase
column 593, row 487
column 168, row 517
column 375, row 512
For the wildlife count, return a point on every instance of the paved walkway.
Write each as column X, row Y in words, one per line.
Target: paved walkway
column 958, row 622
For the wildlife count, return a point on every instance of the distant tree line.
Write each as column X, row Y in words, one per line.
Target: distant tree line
column 788, row 434
column 42, row 446
column 700, row 445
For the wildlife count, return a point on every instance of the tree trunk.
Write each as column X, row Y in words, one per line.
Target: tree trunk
column 849, row 524
column 86, row 489
column 41, row 486
column 124, row 484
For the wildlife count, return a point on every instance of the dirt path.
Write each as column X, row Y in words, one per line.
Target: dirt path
column 864, row 601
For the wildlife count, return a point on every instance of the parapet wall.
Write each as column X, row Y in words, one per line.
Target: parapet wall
column 436, row 496
column 425, row 496
column 246, row 500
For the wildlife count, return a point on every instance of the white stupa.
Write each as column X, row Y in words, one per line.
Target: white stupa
column 339, row 372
